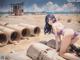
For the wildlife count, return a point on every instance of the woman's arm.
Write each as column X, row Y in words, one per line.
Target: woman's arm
column 57, row 37
column 57, row 27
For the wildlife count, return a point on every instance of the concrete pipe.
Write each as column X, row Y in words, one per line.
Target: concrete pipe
column 3, row 39
column 17, row 56
column 33, row 29
column 23, row 31
column 38, row 51
column 12, row 35
column 3, row 23
column 52, row 43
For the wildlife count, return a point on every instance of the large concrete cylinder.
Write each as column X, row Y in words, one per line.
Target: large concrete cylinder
column 18, row 56
column 12, row 35
column 38, row 51
column 23, row 31
column 33, row 29
column 52, row 43
column 3, row 39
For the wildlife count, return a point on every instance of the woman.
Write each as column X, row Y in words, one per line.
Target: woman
column 69, row 36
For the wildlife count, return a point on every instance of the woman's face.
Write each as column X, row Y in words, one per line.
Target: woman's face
column 50, row 22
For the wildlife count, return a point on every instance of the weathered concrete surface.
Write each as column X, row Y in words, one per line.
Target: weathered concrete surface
column 33, row 29
column 23, row 31
column 12, row 35
column 15, row 56
column 38, row 51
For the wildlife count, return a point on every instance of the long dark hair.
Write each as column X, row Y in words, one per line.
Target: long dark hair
column 48, row 28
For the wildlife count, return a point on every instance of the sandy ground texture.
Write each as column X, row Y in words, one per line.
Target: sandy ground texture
column 37, row 20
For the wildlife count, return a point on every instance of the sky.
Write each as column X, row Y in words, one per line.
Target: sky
column 43, row 5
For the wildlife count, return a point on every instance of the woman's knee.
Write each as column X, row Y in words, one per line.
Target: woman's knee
column 61, row 54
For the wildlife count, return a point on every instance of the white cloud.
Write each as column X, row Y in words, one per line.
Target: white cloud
column 51, row 7
column 69, row 7
column 36, row 8
column 59, row 9
column 47, row 7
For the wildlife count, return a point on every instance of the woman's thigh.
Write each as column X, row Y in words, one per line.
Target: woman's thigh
column 66, row 40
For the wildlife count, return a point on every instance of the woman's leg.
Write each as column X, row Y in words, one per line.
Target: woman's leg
column 64, row 45
column 65, row 42
column 70, row 56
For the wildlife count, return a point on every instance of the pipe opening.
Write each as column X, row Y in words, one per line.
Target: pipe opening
column 3, row 38
column 37, row 30
column 69, row 20
column 78, row 21
column 25, row 32
column 14, row 36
